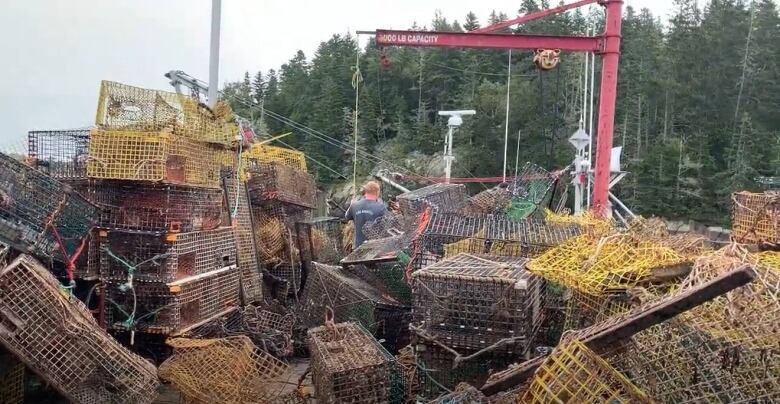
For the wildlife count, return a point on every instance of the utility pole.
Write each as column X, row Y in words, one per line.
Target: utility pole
column 216, row 16
column 456, row 119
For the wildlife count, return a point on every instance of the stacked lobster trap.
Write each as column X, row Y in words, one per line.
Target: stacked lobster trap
column 283, row 195
column 440, row 197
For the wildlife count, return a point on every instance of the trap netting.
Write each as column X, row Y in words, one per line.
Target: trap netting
column 349, row 366
column 529, row 189
column 262, row 153
column 155, row 208
column 756, row 217
column 280, row 183
column 224, row 370
column 474, row 302
column 326, row 239
column 11, row 380
column 573, row 373
column 57, row 338
column 243, row 234
column 388, row 225
column 61, row 154
column 152, row 156
column 126, row 108
column 493, row 201
column 440, row 197
column 587, row 221
column 597, row 266
column 464, row 393
column 36, row 211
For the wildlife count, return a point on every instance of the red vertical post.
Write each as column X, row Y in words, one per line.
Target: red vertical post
column 607, row 98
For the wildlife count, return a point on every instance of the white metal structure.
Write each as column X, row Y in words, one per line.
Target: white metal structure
column 456, row 119
column 216, row 17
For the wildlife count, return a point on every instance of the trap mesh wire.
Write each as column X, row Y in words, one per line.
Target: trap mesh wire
column 389, row 278
column 290, row 272
column 165, row 258
column 261, row 153
column 88, row 263
column 11, row 380
column 126, row 108
column 31, row 203
column 61, row 154
column 326, row 239
column 530, row 189
column 587, row 221
column 58, row 339
column 388, row 225
column 574, row 373
column 153, row 157
column 408, row 365
column 488, row 202
column 464, row 393
column 276, row 233
column 224, row 370
column 282, row 183
column 441, row 197
column 173, row 308
column 473, row 302
column 756, row 217
column 377, row 251
column 155, row 208
column 448, row 234
column 238, row 205
column 349, row 366
column 584, row 310
column 598, row 266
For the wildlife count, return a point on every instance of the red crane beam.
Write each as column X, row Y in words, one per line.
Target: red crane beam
column 533, row 16
column 487, row 40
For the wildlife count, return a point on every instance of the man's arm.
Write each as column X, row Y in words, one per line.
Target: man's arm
column 350, row 215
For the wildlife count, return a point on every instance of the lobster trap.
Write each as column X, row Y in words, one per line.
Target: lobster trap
column 493, row 201
column 58, row 339
column 280, row 183
column 388, row 278
column 350, row 366
column 756, row 217
column 574, row 373
column 36, row 210
column 176, row 307
column 388, row 225
column 532, row 185
column 464, row 393
column 241, row 218
column 126, row 108
column 88, row 263
column 155, row 208
column 224, row 370
column 152, row 157
column 326, row 239
column 262, row 153
column 440, row 197
column 61, row 154
column 165, row 258
column 448, row 234
column 276, row 233
column 377, row 251
column 473, row 302
column 11, row 379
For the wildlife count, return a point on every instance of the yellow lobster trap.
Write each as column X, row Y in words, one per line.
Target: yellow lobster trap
column 152, row 156
column 263, row 153
column 124, row 107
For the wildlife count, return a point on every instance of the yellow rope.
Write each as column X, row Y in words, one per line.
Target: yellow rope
column 356, row 79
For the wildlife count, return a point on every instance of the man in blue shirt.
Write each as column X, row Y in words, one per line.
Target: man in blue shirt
column 365, row 210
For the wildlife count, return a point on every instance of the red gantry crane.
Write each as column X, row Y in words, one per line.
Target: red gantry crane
column 606, row 45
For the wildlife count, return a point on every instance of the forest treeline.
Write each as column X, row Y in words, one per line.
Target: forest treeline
column 698, row 111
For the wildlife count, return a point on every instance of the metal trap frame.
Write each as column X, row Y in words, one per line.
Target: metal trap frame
column 389, row 278
column 491, row 201
column 11, row 379
column 533, row 184
column 440, row 197
column 381, row 250
column 282, row 183
column 57, row 338
column 755, row 217
column 448, row 234
column 88, row 263
column 33, row 203
column 158, row 208
column 388, row 225
column 473, row 302
column 61, row 154
column 159, row 157
column 127, row 108
column 263, row 153
column 176, row 307
column 350, row 366
column 326, row 239
column 241, row 212
column 464, row 393
column 165, row 258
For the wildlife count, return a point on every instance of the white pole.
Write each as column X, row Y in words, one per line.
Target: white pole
column 448, row 156
column 590, row 120
column 216, row 16
column 506, row 122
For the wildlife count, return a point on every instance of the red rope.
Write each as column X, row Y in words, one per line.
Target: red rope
column 464, row 180
column 70, row 261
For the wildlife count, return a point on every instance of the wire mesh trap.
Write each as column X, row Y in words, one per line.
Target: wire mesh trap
column 35, row 209
column 61, row 154
column 349, row 366
column 278, row 182
column 574, row 373
column 155, row 208
column 153, row 157
column 11, row 379
column 377, row 251
column 126, row 108
column 488, row 202
column 440, row 197
column 473, row 302
column 57, row 338
column 262, row 153
column 241, row 212
column 388, row 225
column 532, row 185
column 165, row 258
column 224, row 370
column 173, row 308
column 464, row 393
column 326, row 239
column 448, row 234
column 350, row 299
column 756, row 217
column 389, row 278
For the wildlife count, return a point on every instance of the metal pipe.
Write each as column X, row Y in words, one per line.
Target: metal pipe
column 216, row 16
column 506, row 122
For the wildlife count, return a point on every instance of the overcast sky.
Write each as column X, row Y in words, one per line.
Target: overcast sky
column 55, row 52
